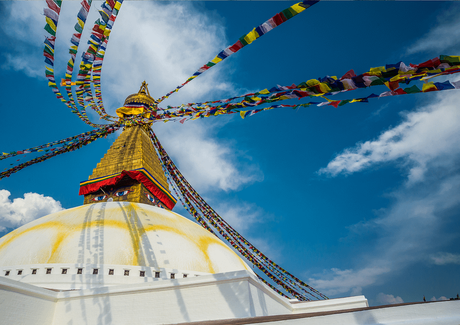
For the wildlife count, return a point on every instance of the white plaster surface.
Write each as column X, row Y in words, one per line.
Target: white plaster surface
column 87, row 279
column 209, row 297
column 222, row 297
column 117, row 233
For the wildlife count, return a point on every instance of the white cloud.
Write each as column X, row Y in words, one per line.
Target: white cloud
column 426, row 136
column 439, row 299
column 206, row 162
column 445, row 258
column 164, row 44
column 336, row 281
column 442, row 37
column 404, row 234
column 23, row 33
column 385, row 299
column 23, row 210
column 241, row 215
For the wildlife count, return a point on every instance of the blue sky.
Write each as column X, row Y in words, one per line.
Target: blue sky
column 362, row 199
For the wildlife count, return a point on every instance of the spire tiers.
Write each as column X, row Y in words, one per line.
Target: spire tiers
column 132, row 150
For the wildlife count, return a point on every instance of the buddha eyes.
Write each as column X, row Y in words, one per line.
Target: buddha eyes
column 117, row 194
column 150, row 198
column 122, row 193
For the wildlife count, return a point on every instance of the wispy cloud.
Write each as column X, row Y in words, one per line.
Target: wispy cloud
column 207, row 162
column 24, row 34
column 23, row 210
column 241, row 216
column 426, row 136
column 445, row 258
column 405, row 233
column 385, row 299
column 336, row 282
column 442, row 37
column 438, row 299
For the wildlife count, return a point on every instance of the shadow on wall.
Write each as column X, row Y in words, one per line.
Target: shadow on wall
column 91, row 251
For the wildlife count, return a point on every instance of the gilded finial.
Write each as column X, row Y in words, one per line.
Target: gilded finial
column 138, row 104
column 144, row 89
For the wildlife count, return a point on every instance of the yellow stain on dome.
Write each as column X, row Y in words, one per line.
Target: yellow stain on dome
column 67, row 223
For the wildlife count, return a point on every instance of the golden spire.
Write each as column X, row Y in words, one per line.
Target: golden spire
column 130, row 170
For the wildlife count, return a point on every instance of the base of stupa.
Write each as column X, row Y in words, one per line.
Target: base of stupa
column 232, row 295
column 225, row 298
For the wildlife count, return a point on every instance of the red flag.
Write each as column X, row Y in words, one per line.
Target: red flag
column 335, row 103
column 393, row 85
column 350, row 74
column 85, row 5
column 53, row 6
column 236, row 47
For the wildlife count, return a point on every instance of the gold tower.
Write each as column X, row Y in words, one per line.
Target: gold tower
column 130, row 170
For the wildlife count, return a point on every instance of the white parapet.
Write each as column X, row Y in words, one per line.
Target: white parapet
column 231, row 295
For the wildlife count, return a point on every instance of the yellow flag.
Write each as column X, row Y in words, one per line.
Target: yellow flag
column 312, row 82
column 428, row 86
column 264, row 92
column 216, row 60
column 51, row 23
column 251, row 36
column 242, row 114
column 376, row 71
column 324, row 88
column 298, row 8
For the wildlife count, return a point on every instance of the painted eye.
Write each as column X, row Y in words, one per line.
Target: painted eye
column 150, row 198
column 122, row 193
column 100, row 198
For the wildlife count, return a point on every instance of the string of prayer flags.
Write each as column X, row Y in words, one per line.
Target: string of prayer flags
column 53, row 11
column 47, row 146
column 82, row 140
column 391, row 75
column 248, row 38
column 95, row 55
column 211, row 221
column 75, row 41
column 428, row 87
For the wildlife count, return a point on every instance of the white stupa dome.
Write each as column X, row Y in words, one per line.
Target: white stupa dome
column 112, row 243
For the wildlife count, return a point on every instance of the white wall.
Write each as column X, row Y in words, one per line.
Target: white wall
column 209, row 297
column 25, row 304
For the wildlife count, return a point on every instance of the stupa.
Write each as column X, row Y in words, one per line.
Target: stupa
column 124, row 257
